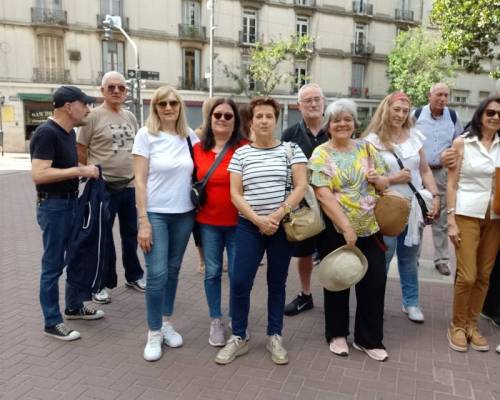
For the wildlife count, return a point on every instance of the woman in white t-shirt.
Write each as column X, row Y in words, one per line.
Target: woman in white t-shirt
column 163, row 170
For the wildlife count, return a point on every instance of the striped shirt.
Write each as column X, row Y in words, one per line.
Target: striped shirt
column 264, row 174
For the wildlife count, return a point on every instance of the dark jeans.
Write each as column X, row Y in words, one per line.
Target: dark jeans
column 55, row 218
column 370, row 293
column 492, row 303
column 123, row 204
column 250, row 248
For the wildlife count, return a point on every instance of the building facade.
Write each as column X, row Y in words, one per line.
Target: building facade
column 46, row 43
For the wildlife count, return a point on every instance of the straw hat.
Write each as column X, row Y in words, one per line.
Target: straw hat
column 342, row 268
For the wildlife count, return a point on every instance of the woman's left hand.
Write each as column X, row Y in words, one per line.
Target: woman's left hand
column 380, row 182
column 434, row 211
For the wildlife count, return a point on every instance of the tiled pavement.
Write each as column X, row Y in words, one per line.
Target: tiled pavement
column 107, row 362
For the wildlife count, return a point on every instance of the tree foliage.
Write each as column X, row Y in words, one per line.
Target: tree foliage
column 470, row 30
column 265, row 62
column 414, row 64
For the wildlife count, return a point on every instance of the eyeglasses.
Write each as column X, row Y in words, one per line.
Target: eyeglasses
column 171, row 103
column 227, row 116
column 310, row 100
column 491, row 113
column 121, row 88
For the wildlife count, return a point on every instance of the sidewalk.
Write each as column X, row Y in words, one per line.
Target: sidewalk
column 107, row 362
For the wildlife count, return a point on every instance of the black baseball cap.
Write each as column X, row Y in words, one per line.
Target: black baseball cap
column 68, row 94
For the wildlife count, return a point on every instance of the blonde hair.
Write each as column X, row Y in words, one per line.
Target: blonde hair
column 153, row 122
column 380, row 123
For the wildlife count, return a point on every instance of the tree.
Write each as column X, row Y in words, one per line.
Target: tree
column 470, row 30
column 265, row 62
column 415, row 64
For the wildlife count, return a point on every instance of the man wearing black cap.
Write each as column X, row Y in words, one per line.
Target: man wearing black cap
column 55, row 172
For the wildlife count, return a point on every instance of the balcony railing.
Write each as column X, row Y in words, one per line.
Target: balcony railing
column 51, row 75
column 305, row 3
column 195, row 32
column 358, row 92
column 102, row 17
column 362, row 49
column 192, row 84
column 404, row 15
column 48, row 16
column 247, row 39
column 362, row 8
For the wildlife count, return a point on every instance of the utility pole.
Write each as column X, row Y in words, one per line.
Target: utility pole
column 2, row 101
column 211, row 5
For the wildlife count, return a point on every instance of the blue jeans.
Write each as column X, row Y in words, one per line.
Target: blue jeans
column 170, row 237
column 123, row 204
column 407, row 266
column 55, row 218
column 250, row 248
column 213, row 241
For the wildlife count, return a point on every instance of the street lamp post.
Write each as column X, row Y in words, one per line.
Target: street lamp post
column 115, row 22
column 210, row 5
column 2, row 100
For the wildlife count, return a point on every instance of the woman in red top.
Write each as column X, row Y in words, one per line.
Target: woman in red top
column 218, row 216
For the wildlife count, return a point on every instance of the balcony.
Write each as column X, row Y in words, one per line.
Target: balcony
column 102, row 17
column 362, row 8
column 305, row 3
column 192, row 84
column 358, row 92
column 51, row 75
column 362, row 49
column 247, row 39
column 404, row 15
column 48, row 16
column 193, row 32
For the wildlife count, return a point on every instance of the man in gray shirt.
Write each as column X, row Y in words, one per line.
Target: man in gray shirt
column 440, row 125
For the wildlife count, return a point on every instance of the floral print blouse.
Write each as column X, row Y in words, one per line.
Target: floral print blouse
column 344, row 173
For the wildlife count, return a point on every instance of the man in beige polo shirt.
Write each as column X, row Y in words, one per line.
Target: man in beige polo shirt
column 107, row 141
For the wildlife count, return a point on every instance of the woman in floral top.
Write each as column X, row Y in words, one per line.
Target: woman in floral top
column 346, row 175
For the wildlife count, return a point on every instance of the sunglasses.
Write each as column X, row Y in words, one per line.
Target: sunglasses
column 171, row 103
column 491, row 113
column 227, row 116
column 121, row 88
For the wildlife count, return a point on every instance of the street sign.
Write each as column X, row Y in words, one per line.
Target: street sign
column 150, row 75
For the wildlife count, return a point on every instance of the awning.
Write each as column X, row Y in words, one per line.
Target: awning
column 41, row 97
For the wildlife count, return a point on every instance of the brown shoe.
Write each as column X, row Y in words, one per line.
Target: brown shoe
column 457, row 338
column 443, row 268
column 477, row 340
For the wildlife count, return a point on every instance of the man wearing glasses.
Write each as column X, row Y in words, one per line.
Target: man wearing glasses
column 107, row 140
column 308, row 134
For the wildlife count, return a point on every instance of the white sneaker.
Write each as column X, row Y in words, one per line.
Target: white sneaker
column 102, row 297
column 170, row 336
column 498, row 349
column 139, row 285
column 152, row 351
column 414, row 313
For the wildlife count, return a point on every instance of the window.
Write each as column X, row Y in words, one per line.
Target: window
column 245, row 67
column 50, row 59
column 405, row 5
column 249, row 26
column 191, row 12
column 301, row 74
column 460, row 96
column 191, row 69
column 358, row 80
column 49, row 4
column 302, row 26
column 111, row 7
column 112, row 56
column 360, row 34
column 483, row 95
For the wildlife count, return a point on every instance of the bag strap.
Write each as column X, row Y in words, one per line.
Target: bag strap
column 288, row 154
column 215, row 164
column 191, row 152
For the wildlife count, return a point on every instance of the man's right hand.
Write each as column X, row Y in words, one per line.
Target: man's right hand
column 89, row 171
column 449, row 158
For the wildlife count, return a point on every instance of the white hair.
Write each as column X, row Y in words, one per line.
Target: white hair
column 109, row 75
column 309, row 86
column 341, row 106
column 437, row 86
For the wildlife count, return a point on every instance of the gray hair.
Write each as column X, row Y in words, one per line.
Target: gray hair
column 109, row 75
column 338, row 107
column 437, row 86
column 309, row 86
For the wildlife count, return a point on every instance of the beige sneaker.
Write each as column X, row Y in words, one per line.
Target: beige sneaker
column 234, row 347
column 476, row 339
column 457, row 338
column 279, row 354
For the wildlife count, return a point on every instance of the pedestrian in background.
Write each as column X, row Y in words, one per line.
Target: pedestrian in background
column 217, row 217
column 346, row 175
column 261, row 176
column 107, row 140
column 473, row 227
column 55, row 172
column 391, row 132
column 163, row 170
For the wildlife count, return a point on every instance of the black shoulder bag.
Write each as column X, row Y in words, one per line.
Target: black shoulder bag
column 198, row 194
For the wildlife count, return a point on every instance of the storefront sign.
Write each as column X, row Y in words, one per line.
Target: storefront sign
column 36, row 117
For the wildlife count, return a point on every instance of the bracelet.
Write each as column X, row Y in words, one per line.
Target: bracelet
column 142, row 216
column 450, row 211
column 287, row 208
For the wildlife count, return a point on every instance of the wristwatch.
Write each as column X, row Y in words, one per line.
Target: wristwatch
column 450, row 211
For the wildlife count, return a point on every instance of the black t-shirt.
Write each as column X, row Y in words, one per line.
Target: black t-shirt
column 302, row 135
column 51, row 142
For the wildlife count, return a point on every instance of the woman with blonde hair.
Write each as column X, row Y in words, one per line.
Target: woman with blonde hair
column 401, row 147
column 163, row 170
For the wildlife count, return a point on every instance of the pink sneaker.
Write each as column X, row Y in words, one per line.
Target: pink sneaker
column 376, row 354
column 338, row 346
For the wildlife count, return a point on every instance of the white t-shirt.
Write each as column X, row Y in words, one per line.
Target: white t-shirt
column 264, row 174
column 170, row 170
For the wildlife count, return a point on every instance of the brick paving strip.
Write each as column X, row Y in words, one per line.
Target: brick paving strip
column 107, row 362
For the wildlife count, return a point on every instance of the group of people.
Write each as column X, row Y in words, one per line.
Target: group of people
column 254, row 181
